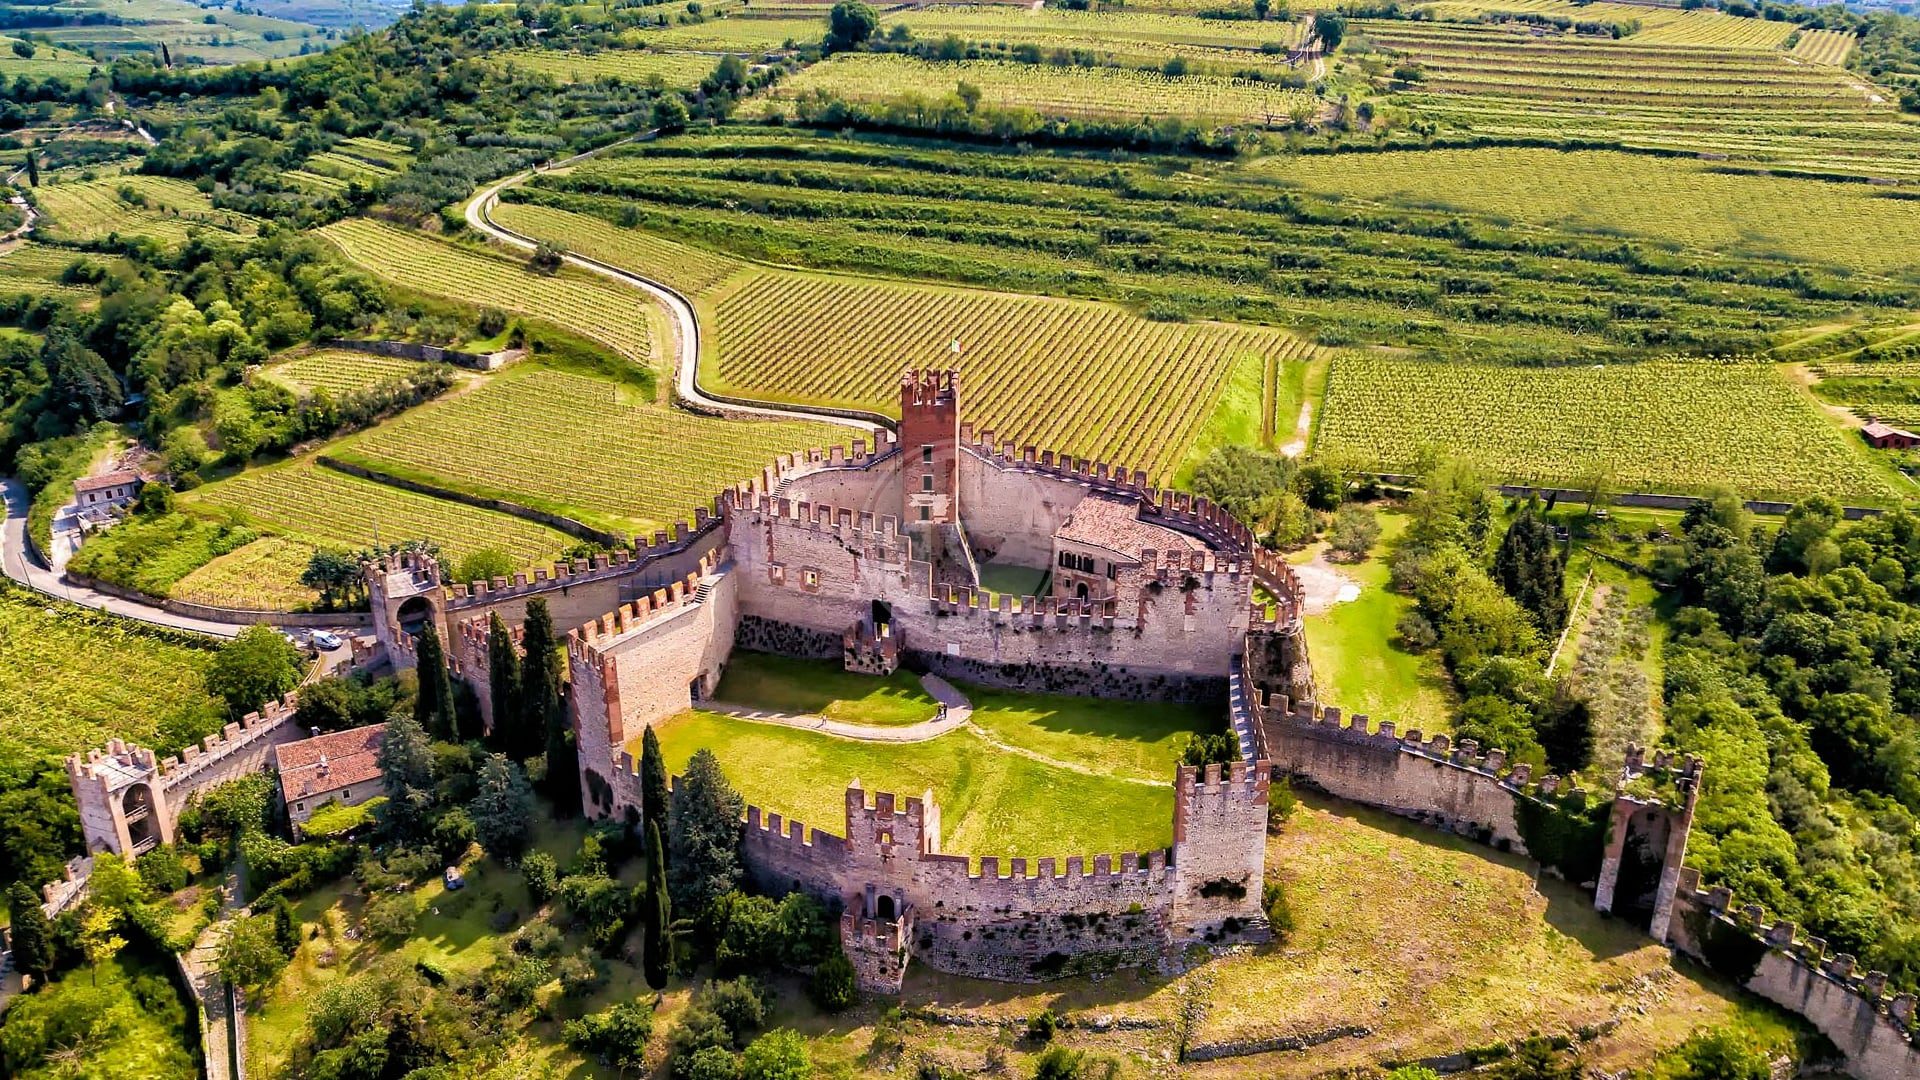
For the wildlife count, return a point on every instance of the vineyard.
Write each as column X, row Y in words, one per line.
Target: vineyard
column 567, row 443
column 303, row 501
column 611, row 314
column 1740, row 103
column 1688, row 203
column 1105, row 92
column 338, row 371
column 1086, row 378
column 156, row 207
column 679, row 70
column 1102, row 30
column 70, row 679
column 1664, row 425
column 262, row 576
column 738, row 34
column 1658, row 25
column 35, row 269
column 688, row 269
column 1830, row 47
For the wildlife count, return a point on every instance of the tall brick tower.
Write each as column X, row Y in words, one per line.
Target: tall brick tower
column 930, row 439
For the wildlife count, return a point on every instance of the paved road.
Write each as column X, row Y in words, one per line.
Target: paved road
column 686, row 326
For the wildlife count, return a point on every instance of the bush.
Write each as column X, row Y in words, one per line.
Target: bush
column 542, row 875
column 1273, row 901
column 1281, row 802
column 1060, row 1063
column 739, row 1005
column 833, row 987
column 162, row 870
column 581, row 974
column 1042, row 1026
column 618, row 1036
column 713, row 1063
column 391, row 916
column 777, row 1055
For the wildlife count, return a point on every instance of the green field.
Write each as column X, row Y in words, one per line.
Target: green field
column 991, row 802
column 1357, row 664
column 738, row 34
column 193, row 34
column 262, row 576
column 613, row 315
column 70, row 679
column 1693, row 205
column 678, row 70
column 824, row 688
column 689, row 269
column 338, row 371
column 1663, row 425
column 305, row 502
column 576, row 445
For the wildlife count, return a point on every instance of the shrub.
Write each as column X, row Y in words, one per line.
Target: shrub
column 713, row 1063
column 1281, row 802
column 1273, row 901
column 581, row 974
column 833, row 986
column 391, row 916
column 162, row 870
column 1042, row 1026
column 739, row 1005
column 1060, row 1063
column 618, row 1036
column 777, row 1055
column 542, row 875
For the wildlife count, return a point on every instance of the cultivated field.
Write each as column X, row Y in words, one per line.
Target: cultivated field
column 1099, row 92
column 1670, row 425
column 214, row 36
column 70, row 678
column 689, row 269
column 679, row 70
column 48, row 61
column 1101, row 29
column 1658, row 25
column 1067, row 375
column 1824, row 47
column 613, row 315
column 261, row 576
column 35, row 269
column 737, row 34
column 303, row 501
column 158, row 207
column 1693, row 204
column 338, row 371
column 570, row 443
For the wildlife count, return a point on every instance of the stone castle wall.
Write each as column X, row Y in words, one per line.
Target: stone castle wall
column 1874, row 1031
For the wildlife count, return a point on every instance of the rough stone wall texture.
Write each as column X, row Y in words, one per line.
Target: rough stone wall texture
column 874, row 490
column 786, row 639
column 1871, row 1030
column 1011, row 516
column 1219, row 851
column 1082, row 680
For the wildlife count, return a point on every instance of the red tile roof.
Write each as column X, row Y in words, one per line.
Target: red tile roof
column 105, row 480
column 1878, row 430
column 1113, row 523
column 327, row 763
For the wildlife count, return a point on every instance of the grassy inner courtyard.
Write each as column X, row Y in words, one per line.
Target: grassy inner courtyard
column 1032, row 775
column 824, row 688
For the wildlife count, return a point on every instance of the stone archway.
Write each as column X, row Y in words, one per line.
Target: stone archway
column 412, row 615
column 141, row 815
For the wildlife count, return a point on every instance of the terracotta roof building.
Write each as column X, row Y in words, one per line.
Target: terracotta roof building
column 1883, row 436
column 340, row 767
column 1102, row 535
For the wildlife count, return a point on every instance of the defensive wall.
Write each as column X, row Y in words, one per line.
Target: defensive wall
column 1874, row 1030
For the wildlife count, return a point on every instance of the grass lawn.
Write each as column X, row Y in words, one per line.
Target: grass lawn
column 992, row 802
column 1140, row 739
column 1011, row 580
column 824, row 688
column 1357, row 663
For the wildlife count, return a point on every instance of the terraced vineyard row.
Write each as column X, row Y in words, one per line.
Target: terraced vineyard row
column 1824, row 46
column 347, row 167
column 738, row 34
column 1675, row 200
column 261, row 576
column 676, row 70
column 391, row 154
column 1086, row 378
column 313, row 181
column 568, row 443
column 1658, row 25
column 615, row 316
column 330, row 509
column 1114, row 93
column 691, row 270
column 337, row 370
column 89, row 210
column 1662, row 425
column 1102, row 30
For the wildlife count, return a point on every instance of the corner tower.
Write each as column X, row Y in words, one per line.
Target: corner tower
column 930, row 439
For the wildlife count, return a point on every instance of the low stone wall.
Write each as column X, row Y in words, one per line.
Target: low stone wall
column 757, row 634
column 428, row 354
column 570, row 526
column 1079, row 680
column 236, row 616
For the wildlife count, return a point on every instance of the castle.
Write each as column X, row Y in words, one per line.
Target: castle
column 884, row 555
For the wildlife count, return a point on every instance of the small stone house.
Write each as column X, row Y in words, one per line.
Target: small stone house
column 340, row 767
column 99, row 496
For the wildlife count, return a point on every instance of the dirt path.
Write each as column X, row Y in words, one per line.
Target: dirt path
column 1301, row 428
column 1322, row 585
column 955, row 712
column 1034, row 755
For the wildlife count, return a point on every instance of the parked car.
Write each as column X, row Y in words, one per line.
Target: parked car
column 326, row 642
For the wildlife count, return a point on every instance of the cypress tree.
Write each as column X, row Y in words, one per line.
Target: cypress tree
column 544, row 712
column 653, row 781
column 656, row 949
column 32, row 933
column 33, row 170
column 1532, row 570
column 503, row 685
column 433, row 706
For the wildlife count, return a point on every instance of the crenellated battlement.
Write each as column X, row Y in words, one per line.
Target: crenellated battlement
column 602, row 633
column 929, row 387
column 882, row 529
column 1062, row 613
column 791, row 466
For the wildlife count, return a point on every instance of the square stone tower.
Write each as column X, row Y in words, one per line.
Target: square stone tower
column 930, row 441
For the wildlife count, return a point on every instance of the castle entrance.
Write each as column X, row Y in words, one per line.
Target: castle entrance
column 136, row 807
column 413, row 615
column 882, row 614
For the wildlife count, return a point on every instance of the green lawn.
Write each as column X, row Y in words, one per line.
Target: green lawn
column 1140, row 739
column 1357, row 663
column 824, row 688
column 992, row 802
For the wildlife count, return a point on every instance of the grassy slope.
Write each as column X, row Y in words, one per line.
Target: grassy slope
column 1356, row 663
column 992, row 802
column 824, row 688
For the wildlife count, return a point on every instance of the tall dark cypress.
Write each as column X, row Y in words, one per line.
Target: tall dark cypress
column 33, row 934
column 653, row 781
column 544, row 709
column 503, row 686
column 1532, row 569
column 433, row 707
column 655, row 945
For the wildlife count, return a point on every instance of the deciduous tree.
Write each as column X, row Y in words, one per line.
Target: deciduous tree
column 31, row 932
